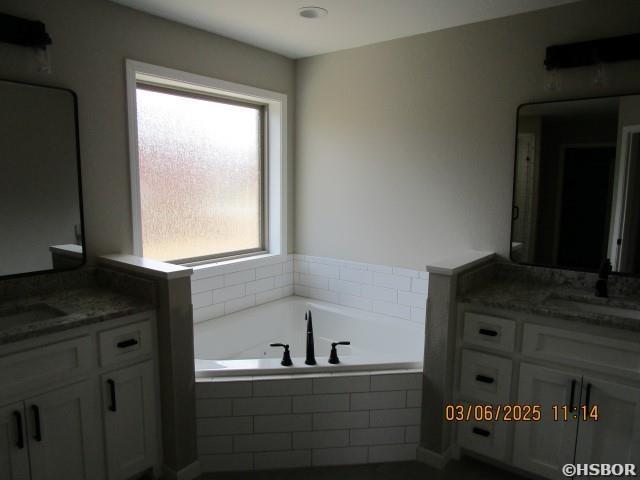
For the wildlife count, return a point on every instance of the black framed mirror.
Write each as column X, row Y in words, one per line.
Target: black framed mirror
column 41, row 214
column 576, row 196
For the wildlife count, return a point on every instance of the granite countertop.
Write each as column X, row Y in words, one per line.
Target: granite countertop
column 529, row 297
column 79, row 307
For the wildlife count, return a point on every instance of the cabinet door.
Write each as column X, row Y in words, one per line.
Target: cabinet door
column 544, row 447
column 129, row 416
column 14, row 459
column 64, row 435
column 615, row 436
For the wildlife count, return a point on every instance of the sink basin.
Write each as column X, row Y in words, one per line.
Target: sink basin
column 586, row 307
column 23, row 316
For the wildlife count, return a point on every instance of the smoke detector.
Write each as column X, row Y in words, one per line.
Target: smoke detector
column 312, row 12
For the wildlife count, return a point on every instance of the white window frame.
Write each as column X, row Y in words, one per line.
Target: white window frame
column 276, row 146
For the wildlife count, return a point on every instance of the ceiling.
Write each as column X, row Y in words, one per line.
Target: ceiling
column 275, row 24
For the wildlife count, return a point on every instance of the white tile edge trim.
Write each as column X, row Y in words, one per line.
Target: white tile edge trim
column 299, row 376
column 433, row 459
column 238, row 264
column 190, row 472
column 454, row 265
column 146, row 266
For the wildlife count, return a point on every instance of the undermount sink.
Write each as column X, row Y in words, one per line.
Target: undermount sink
column 587, row 307
column 24, row 316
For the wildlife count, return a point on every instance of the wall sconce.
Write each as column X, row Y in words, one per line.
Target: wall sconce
column 552, row 81
column 582, row 54
column 27, row 33
column 600, row 76
column 593, row 52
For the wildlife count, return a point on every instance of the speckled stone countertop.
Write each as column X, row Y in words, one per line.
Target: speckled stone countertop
column 84, row 306
column 516, row 288
column 84, row 303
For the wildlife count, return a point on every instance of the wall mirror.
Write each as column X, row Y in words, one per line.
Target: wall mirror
column 577, row 184
column 40, row 194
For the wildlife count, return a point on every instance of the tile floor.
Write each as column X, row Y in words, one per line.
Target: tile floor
column 466, row 469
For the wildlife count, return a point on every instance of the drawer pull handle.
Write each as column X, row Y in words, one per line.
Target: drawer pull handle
column 573, row 393
column 112, row 395
column 36, row 420
column 484, row 379
column 20, row 441
column 588, row 399
column 481, row 431
column 488, row 332
column 127, row 343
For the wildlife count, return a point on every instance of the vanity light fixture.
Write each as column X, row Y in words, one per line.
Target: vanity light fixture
column 593, row 52
column 20, row 31
column 312, row 13
column 27, row 33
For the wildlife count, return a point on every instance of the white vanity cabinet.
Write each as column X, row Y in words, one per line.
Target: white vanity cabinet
column 543, row 447
column 615, row 437
column 129, row 419
column 512, row 358
column 92, row 414
column 61, row 430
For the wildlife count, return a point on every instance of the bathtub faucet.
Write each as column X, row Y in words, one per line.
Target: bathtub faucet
column 311, row 357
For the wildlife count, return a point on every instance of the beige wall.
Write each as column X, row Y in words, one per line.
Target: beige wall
column 91, row 39
column 405, row 148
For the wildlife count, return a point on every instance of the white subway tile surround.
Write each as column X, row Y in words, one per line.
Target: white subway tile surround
column 284, row 422
column 393, row 291
column 230, row 287
column 260, row 422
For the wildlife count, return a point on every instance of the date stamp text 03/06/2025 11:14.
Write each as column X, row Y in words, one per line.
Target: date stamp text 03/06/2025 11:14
column 519, row 413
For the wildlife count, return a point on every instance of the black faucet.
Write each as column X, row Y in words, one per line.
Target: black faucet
column 311, row 357
column 603, row 276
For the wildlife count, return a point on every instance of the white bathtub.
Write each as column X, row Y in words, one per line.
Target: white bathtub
column 238, row 344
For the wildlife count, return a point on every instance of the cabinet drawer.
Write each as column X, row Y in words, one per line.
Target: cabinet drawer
column 581, row 349
column 45, row 364
column 489, row 331
column 485, row 377
column 485, row 438
column 125, row 344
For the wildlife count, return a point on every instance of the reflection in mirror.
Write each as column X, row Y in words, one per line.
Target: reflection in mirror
column 577, row 184
column 40, row 202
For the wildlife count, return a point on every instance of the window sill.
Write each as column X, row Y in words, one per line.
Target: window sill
column 235, row 265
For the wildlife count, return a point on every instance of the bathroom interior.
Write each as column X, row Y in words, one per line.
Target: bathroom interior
column 352, row 239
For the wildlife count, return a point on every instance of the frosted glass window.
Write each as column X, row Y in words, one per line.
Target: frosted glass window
column 201, row 176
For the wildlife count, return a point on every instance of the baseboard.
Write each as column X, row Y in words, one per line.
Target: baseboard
column 190, row 472
column 433, row 459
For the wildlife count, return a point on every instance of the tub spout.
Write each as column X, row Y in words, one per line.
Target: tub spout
column 311, row 357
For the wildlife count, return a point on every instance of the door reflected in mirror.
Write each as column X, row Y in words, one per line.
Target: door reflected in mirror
column 40, row 201
column 577, row 184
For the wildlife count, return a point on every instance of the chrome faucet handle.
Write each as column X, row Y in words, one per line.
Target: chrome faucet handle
column 333, row 356
column 286, row 356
